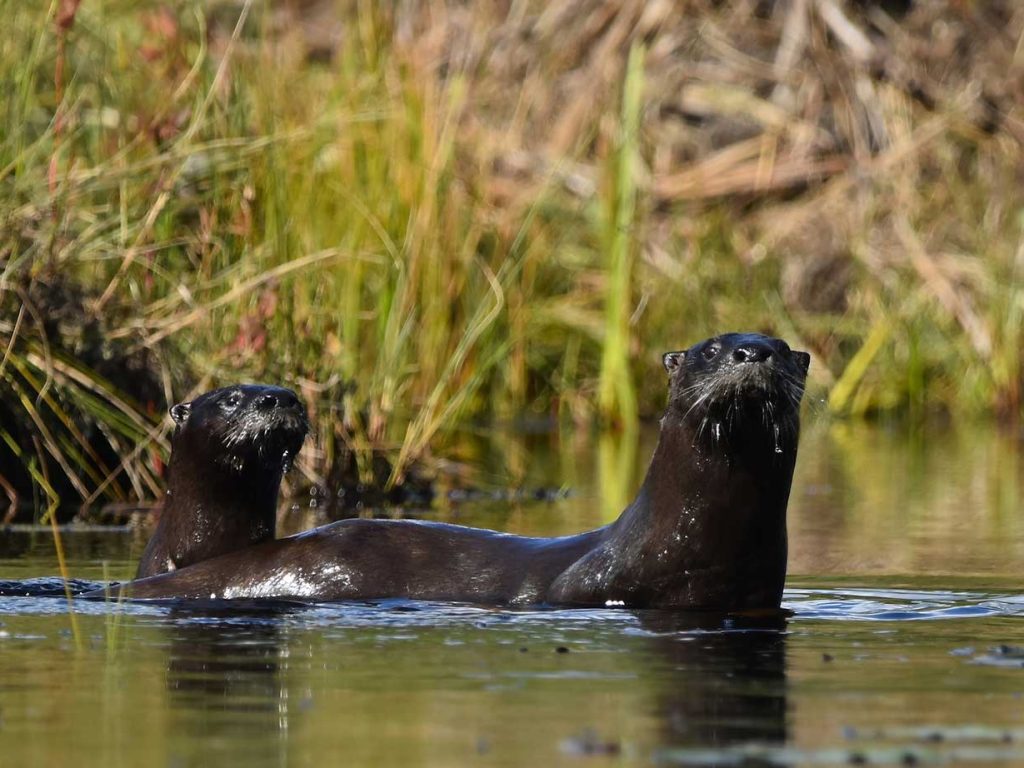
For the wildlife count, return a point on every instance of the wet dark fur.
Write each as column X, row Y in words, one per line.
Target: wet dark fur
column 706, row 531
column 229, row 451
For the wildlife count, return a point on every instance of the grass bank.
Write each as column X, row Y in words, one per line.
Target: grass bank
column 418, row 215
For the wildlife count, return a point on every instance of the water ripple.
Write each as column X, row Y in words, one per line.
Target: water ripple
column 44, row 596
column 899, row 604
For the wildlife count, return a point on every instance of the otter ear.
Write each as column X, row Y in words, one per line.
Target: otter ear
column 180, row 412
column 672, row 360
column 803, row 360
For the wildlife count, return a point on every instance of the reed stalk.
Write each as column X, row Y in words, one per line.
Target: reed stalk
column 616, row 395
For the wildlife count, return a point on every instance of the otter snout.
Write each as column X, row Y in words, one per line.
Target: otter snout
column 738, row 384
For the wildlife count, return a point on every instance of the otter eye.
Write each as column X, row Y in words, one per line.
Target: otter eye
column 232, row 401
column 710, row 352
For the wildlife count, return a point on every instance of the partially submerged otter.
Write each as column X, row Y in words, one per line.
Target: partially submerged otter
column 706, row 531
column 229, row 451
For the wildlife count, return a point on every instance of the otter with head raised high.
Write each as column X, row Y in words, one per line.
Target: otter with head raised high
column 229, row 451
column 706, row 531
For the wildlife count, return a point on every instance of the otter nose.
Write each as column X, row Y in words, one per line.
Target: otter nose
column 751, row 353
column 278, row 398
column 268, row 402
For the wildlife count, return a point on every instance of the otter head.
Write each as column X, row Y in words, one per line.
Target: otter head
column 243, row 427
column 736, row 387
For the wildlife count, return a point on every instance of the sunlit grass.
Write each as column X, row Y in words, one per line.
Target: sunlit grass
column 616, row 394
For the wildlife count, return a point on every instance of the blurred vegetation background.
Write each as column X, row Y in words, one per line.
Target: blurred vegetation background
column 426, row 214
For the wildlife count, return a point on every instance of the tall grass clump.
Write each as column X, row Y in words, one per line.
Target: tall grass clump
column 420, row 215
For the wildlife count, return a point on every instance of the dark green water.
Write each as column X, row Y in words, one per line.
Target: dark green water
column 907, row 555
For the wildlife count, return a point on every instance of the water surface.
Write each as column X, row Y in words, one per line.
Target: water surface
column 904, row 646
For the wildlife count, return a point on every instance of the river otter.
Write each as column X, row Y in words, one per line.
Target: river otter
column 229, row 451
column 706, row 531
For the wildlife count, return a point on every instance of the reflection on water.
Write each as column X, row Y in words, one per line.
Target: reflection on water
column 227, row 692
column 873, row 501
column 401, row 682
column 617, row 472
column 233, row 679
column 904, row 647
column 723, row 687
